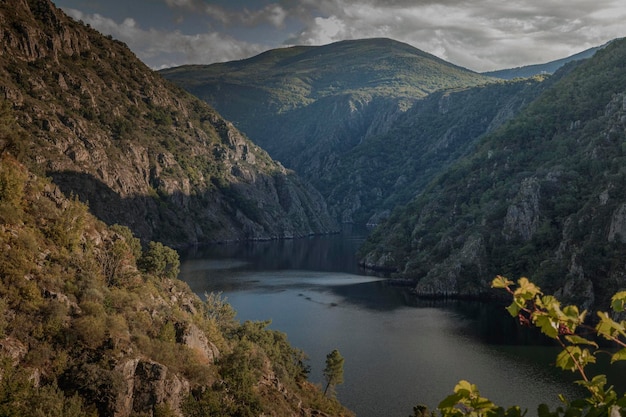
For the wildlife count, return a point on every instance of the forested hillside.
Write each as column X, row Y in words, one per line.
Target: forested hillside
column 311, row 107
column 91, row 324
column 141, row 151
column 543, row 196
column 391, row 168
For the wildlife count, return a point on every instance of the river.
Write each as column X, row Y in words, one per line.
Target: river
column 398, row 351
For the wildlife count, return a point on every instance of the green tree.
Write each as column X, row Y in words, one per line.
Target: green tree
column 333, row 373
column 160, row 260
column 134, row 244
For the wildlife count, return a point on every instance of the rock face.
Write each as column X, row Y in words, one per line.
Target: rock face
column 537, row 197
column 192, row 337
column 151, row 385
column 617, row 229
column 392, row 166
column 142, row 152
column 148, row 383
column 522, row 216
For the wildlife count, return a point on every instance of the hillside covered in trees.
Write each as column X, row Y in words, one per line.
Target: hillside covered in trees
column 542, row 197
column 91, row 324
column 101, row 162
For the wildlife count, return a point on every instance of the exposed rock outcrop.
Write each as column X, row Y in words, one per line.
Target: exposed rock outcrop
column 192, row 337
column 149, row 384
column 522, row 217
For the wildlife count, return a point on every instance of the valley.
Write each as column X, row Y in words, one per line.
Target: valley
column 110, row 170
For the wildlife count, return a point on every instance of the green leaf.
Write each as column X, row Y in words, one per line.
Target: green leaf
column 465, row 388
column 450, row 401
column 526, row 290
column 501, row 282
column 620, row 355
column 548, row 302
column 548, row 325
column 596, row 387
column 566, row 361
column 572, row 313
column 618, row 301
column 608, row 328
column 514, row 309
column 578, row 340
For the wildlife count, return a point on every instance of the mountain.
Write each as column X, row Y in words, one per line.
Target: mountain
column 140, row 151
column 391, row 168
column 546, row 68
column 309, row 107
column 91, row 324
column 542, row 196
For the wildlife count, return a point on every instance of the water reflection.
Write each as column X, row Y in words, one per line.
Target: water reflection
column 315, row 253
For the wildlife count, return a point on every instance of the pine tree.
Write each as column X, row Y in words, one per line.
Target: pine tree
column 333, row 373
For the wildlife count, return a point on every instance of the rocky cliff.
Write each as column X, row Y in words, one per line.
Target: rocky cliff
column 541, row 197
column 140, row 151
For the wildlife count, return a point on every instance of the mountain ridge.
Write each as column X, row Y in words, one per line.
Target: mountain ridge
column 143, row 152
column 310, row 106
column 551, row 67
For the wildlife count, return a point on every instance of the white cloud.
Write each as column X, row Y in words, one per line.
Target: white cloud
column 477, row 34
column 481, row 34
column 323, row 30
column 160, row 49
column 218, row 13
column 276, row 15
column 272, row 14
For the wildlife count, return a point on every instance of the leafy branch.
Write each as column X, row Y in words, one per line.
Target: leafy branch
column 566, row 325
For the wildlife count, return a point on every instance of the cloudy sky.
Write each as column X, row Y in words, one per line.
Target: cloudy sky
column 480, row 35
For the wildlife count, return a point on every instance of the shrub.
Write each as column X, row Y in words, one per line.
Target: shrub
column 160, row 260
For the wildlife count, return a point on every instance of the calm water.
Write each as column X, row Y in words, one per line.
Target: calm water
column 398, row 352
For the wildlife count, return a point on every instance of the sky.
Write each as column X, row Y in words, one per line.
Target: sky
column 481, row 35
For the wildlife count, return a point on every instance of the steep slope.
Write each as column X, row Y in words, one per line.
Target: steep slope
column 91, row 325
column 391, row 168
column 546, row 68
column 310, row 106
column 542, row 197
column 141, row 151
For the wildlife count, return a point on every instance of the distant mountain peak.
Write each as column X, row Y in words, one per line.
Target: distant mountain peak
column 551, row 67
